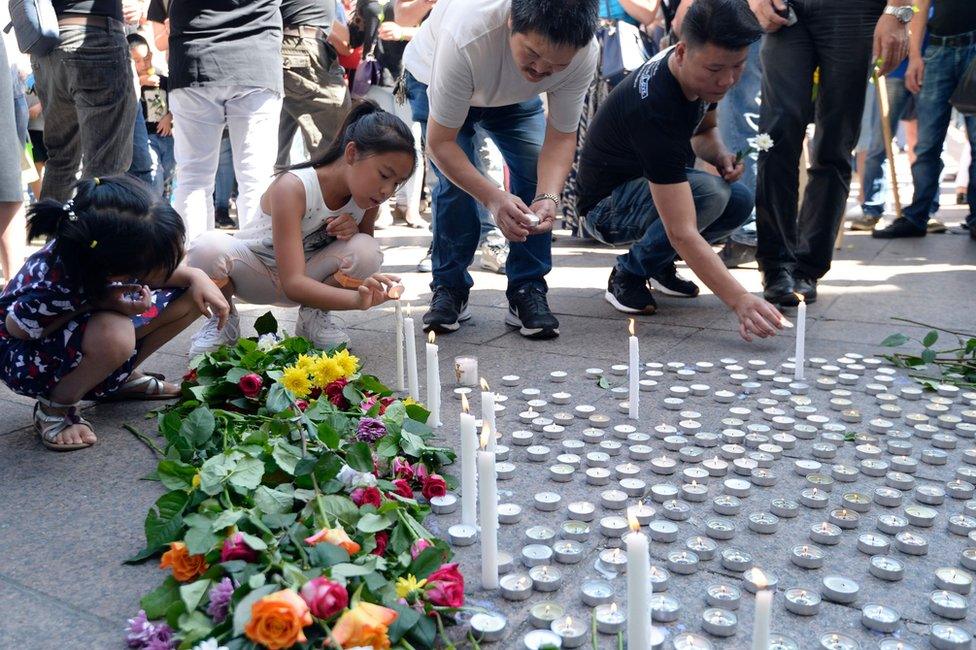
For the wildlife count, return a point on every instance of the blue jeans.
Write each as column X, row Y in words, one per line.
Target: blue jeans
column 944, row 67
column 143, row 167
column 162, row 145
column 628, row 216
column 225, row 179
column 518, row 131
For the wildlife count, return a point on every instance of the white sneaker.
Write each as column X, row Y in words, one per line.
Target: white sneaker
column 317, row 326
column 208, row 338
column 494, row 252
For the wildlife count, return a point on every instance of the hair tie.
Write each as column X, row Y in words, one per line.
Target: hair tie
column 69, row 208
column 93, row 243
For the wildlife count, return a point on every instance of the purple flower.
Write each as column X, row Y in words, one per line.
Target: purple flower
column 162, row 640
column 140, row 631
column 370, row 430
column 220, row 597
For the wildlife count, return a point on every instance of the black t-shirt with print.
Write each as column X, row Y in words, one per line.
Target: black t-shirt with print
column 643, row 129
column 155, row 102
column 112, row 8
column 222, row 42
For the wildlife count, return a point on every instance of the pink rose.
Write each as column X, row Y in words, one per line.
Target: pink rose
column 445, row 586
column 250, row 384
column 434, row 486
column 403, row 488
column 301, row 404
column 419, row 547
column 235, row 548
column 421, row 472
column 324, row 597
column 367, row 496
column 401, row 468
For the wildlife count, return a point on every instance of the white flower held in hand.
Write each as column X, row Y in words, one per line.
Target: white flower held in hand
column 761, row 143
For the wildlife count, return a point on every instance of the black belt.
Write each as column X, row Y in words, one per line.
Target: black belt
column 956, row 40
column 305, row 31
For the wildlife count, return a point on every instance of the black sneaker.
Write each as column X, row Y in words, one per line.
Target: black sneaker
column 528, row 310
column 899, row 228
column 448, row 307
column 222, row 218
column 735, row 254
column 670, row 283
column 806, row 287
column 629, row 293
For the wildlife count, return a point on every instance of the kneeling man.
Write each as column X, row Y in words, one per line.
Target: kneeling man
column 636, row 184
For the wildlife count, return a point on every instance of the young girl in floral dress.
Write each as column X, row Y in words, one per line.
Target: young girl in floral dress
column 104, row 293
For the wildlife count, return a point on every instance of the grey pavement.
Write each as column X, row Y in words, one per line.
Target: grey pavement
column 67, row 521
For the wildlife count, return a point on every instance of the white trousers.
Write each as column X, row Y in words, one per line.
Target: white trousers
column 199, row 115
column 408, row 194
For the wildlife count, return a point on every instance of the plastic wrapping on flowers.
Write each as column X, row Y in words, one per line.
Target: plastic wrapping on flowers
column 293, row 513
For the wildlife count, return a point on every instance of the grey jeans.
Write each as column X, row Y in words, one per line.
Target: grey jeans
column 85, row 87
column 316, row 98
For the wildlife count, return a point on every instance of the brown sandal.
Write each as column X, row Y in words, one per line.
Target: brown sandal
column 50, row 425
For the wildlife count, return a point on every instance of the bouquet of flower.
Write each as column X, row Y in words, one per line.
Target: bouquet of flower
column 297, row 485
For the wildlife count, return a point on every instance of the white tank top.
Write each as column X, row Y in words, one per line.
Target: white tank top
column 258, row 235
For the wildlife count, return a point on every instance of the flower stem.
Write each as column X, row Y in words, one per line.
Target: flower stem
column 593, row 636
column 144, row 439
column 440, row 629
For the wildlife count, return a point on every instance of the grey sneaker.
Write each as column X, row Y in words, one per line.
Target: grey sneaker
column 208, row 338
column 426, row 265
column 494, row 252
column 865, row 223
column 317, row 326
column 935, row 227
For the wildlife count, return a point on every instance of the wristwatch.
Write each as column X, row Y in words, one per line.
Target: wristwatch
column 903, row 13
column 552, row 197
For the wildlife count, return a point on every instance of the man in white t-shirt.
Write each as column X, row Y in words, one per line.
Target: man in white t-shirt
column 482, row 64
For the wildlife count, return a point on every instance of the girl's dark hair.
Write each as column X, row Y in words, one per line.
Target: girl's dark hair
column 113, row 226
column 373, row 130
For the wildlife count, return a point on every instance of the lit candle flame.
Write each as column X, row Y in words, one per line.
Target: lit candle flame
column 632, row 522
column 431, row 337
column 484, row 385
column 396, row 291
column 613, row 608
column 799, row 296
column 759, row 578
column 630, row 326
column 465, row 407
column 485, row 434
column 569, row 622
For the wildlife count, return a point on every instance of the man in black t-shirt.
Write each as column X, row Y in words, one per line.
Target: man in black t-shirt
column 636, row 185
column 85, row 88
column 316, row 96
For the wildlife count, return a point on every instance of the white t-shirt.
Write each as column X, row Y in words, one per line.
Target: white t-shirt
column 462, row 53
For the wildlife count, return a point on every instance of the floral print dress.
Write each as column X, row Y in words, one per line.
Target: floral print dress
column 39, row 295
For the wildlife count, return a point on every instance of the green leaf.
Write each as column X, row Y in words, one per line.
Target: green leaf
column 895, row 340
column 603, row 383
column 412, row 444
column 388, row 447
column 266, row 324
column 286, row 455
column 216, row 470
column 328, row 434
column 406, row 619
column 359, row 457
column 194, row 626
column 234, row 375
column 928, row 355
column 191, row 594
column 327, row 468
column 424, row 633
column 278, row 399
column 429, row 560
column 157, row 601
column 373, row 523
column 176, row 475
column 198, row 426
column 348, row 570
column 242, row 612
column 325, row 555
column 396, row 413
column 417, row 427
column 246, row 475
column 165, row 519
column 225, row 519
column 337, row 507
column 253, row 541
column 272, row 502
column 930, row 338
column 417, row 413
column 200, row 539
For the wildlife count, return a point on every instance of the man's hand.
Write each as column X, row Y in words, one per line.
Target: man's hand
column 342, row 227
column 165, row 126
column 545, row 209
column 890, row 43
column 509, row 212
column 765, row 11
column 915, row 74
column 757, row 317
column 728, row 168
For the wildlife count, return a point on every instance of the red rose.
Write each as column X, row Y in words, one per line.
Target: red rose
column 315, row 393
column 250, row 384
column 324, row 598
column 191, row 375
column 434, row 486
column 382, row 539
column 334, row 392
column 368, row 496
column 385, row 404
column 301, row 404
column 235, row 548
column 401, row 468
column 403, row 488
column 445, row 586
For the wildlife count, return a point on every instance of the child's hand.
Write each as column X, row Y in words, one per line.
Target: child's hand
column 342, row 227
column 126, row 301
column 375, row 290
column 209, row 299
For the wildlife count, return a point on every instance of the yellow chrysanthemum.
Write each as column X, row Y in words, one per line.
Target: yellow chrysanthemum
column 295, row 380
column 325, row 371
column 348, row 362
column 407, row 401
column 408, row 585
column 305, row 362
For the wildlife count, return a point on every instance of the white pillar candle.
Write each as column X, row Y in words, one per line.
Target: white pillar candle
column 634, row 370
column 469, row 467
column 801, row 334
column 488, row 511
column 398, row 325
column 488, row 413
column 410, row 338
column 433, row 382
column 638, row 587
column 764, row 610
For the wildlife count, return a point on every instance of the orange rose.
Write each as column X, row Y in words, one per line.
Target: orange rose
column 277, row 620
column 335, row 536
column 185, row 567
column 364, row 625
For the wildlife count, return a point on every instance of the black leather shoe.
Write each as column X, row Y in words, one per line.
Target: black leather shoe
column 806, row 287
column 898, row 229
column 778, row 288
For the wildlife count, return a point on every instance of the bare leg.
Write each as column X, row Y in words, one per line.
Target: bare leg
column 108, row 342
column 862, row 157
column 12, row 233
column 911, row 137
column 35, row 187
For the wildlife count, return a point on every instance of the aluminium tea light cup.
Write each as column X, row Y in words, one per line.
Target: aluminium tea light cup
column 857, row 502
column 735, row 559
column 880, row 618
column 720, row 529
column 948, row 604
column 961, row 524
column 596, row 592
column 509, row 513
column 814, row 497
column 561, row 473
column 725, row 504
column 545, row 578
column 634, row 487
column 613, row 526
column 703, row 547
column 784, row 508
column 683, row 562
column 929, row 494
column 547, row 501
column 960, row 489
column 522, row 438
column 719, row 622
column 891, row 524
column 911, row 544
column 534, row 555
column 614, row 560
column 511, row 380
column 597, row 476
column 801, row 601
column 839, row 589
column 944, row 636
column 886, row 567
column 663, row 531
column 544, row 613
column 661, row 492
column 504, row 471
column 611, row 447
column 737, row 487
column 538, row 639
column 642, row 512
column 660, row 579
column 921, row 516
column 572, row 631
column 872, row 544
column 578, row 531
column 844, row 518
column 568, row 551
column 444, row 505
column 614, row 499
column 462, row 535
column 538, row 453
column 665, row 608
column 723, row 595
column 539, row 534
column 825, row 533
column 888, row 497
column 676, row 510
column 807, row 557
column 934, row 457
column 488, row 627
column 515, row 586
column 953, row 579
column 874, row 468
column 610, row 618
column 763, row 523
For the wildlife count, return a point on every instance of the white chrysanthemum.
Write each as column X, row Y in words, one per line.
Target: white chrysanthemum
column 762, row 142
column 267, row 342
column 348, row 476
column 209, row 644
